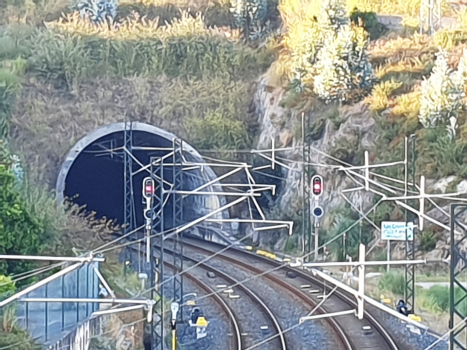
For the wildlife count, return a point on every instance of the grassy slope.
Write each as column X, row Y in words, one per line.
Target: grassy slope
column 49, row 117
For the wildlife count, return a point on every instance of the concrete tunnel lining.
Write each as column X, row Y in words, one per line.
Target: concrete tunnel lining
column 195, row 177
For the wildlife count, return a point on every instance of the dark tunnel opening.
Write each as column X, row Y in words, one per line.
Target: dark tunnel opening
column 94, row 177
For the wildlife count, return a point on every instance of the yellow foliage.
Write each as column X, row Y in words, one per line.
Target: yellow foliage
column 462, row 18
column 448, row 39
column 409, row 64
column 379, row 98
column 136, row 27
column 295, row 11
column 408, row 105
column 280, row 71
column 411, row 21
column 400, row 47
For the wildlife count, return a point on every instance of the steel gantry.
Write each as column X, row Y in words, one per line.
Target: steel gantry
column 458, row 296
column 157, row 272
column 307, row 173
column 177, row 220
column 430, row 16
column 409, row 164
column 129, row 198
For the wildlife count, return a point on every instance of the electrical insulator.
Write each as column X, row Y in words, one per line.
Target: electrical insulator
column 317, row 184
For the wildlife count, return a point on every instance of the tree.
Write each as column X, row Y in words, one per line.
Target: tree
column 343, row 64
column 20, row 232
column 442, row 93
column 333, row 76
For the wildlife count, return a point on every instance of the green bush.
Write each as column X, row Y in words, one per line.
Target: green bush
column 440, row 297
column 427, row 241
column 393, row 282
column 7, row 287
column 369, row 20
column 20, row 231
column 9, row 86
column 216, row 131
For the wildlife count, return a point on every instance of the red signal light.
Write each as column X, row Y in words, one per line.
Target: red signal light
column 148, row 187
column 317, row 185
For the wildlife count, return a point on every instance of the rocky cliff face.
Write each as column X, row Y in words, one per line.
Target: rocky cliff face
column 355, row 128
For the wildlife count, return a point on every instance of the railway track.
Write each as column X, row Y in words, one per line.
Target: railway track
column 237, row 319
column 351, row 331
column 262, row 306
column 237, row 342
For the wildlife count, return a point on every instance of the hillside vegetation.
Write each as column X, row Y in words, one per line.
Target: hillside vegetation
column 192, row 67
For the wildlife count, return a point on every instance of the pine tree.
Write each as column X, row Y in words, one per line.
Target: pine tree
column 359, row 61
column 442, row 93
column 333, row 73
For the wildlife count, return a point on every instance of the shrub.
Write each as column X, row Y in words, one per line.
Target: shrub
column 369, row 21
column 20, row 231
column 98, row 11
column 7, row 287
column 250, row 15
column 381, row 93
column 343, row 65
column 439, row 295
column 332, row 16
column 333, row 78
column 216, row 131
column 393, row 282
column 9, row 86
column 427, row 241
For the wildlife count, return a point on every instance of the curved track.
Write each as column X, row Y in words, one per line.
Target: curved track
column 235, row 324
column 265, row 310
column 348, row 328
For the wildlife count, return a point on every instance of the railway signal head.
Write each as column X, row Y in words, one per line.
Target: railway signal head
column 318, row 212
column 148, row 188
column 317, row 184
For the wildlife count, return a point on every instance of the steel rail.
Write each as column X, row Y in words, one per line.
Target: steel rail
column 237, row 338
column 266, row 310
column 305, row 276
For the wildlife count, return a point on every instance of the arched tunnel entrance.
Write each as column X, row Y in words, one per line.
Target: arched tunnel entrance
column 93, row 173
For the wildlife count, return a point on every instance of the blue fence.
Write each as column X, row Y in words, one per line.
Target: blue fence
column 50, row 322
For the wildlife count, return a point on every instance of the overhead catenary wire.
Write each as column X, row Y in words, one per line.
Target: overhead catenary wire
column 101, row 250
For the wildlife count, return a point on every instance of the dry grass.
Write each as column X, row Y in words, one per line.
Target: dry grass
column 380, row 97
column 47, row 121
column 193, row 4
column 139, row 28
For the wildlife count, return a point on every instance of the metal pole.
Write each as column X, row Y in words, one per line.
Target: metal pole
column 389, row 255
column 361, row 281
column 316, row 226
column 411, row 282
column 303, row 184
column 174, row 336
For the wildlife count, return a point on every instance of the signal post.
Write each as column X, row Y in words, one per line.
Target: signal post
column 318, row 211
